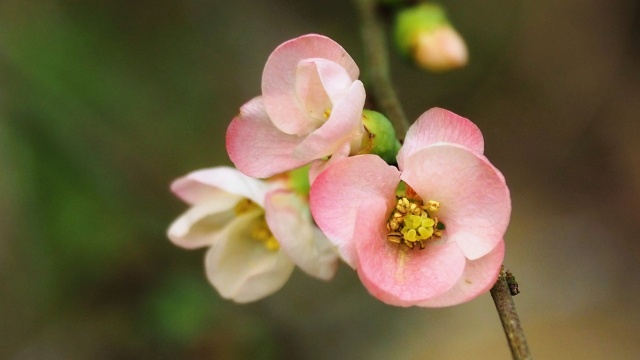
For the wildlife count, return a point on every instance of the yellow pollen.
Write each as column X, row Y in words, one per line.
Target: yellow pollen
column 326, row 114
column 393, row 225
column 245, row 205
column 412, row 223
column 432, row 207
column 261, row 232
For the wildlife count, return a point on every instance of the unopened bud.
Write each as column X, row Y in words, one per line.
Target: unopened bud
column 424, row 34
column 380, row 137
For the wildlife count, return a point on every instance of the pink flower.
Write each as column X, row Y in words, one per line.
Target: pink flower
column 435, row 240
column 310, row 108
column 256, row 232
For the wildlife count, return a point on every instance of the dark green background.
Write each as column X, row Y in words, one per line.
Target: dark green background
column 104, row 103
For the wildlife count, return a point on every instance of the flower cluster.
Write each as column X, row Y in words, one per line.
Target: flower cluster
column 423, row 228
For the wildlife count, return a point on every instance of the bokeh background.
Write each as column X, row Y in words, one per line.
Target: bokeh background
column 104, row 102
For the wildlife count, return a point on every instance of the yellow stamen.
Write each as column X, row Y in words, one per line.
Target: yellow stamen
column 395, row 237
column 245, row 205
column 393, row 225
column 432, row 207
column 261, row 232
column 412, row 222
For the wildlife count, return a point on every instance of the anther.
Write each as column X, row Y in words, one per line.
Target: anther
column 395, row 237
column 402, row 205
column 414, row 209
column 413, row 223
column 393, row 225
column 243, row 206
column 432, row 206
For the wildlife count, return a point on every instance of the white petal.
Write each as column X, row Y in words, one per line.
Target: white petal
column 207, row 184
column 243, row 269
column 199, row 225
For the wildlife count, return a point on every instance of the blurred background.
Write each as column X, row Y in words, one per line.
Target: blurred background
column 103, row 103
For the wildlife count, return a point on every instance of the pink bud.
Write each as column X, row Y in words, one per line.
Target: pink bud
column 441, row 49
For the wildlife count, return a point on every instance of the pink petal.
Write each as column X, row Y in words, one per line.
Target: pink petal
column 336, row 81
column 279, row 78
column 318, row 166
column 243, row 269
column 209, row 184
column 440, row 125
column 200, row 225
column 341, row 191
column 320, row 84
column 290, row 222
column 256, row 147
column 311, row 94
column 478, row 277
column 398, row 275
column 474, row 201
column 344, row 123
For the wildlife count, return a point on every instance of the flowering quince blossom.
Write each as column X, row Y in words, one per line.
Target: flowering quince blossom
column 428, row 233
column 310, row 108
column 256, row 231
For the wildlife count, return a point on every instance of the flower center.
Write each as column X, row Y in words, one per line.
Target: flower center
column 244, row 206
column 260, row 230
column 413, row 222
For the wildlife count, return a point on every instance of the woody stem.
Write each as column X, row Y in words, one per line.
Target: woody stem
column 377, row 58
column 503, row 300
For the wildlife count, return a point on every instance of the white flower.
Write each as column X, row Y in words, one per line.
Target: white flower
column 256, row 232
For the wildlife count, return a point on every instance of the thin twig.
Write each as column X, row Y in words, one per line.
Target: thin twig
column 377, row 57
column 502, row 297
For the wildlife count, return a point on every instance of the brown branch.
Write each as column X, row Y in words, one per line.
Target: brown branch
column 377, row 58
column 502, row 294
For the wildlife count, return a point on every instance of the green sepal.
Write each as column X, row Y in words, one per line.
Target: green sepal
column 299, row 180
column 401, row 189
column 382, row 137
